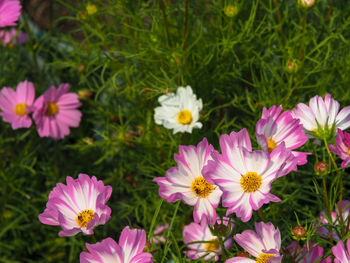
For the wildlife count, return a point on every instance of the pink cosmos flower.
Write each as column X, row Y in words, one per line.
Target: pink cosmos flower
column 129, row 250
column 16, row 105
column 10, row 10
column 56, row 111
column 245, row 176
column 341, row 254
column 10, row 36
column 185, row 182
column 324, row 231
column 201, row 232
column 308, row 255
column 78, row 206
column 322, row 116
column 274, row 128
column 158, row 234
column 264, row 244
column 343, row 147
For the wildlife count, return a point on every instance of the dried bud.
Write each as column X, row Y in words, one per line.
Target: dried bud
column 243, row 254
column 81, row 68
column 299, row 231
column 306, row 3
column 230, row 10
column 321, row 167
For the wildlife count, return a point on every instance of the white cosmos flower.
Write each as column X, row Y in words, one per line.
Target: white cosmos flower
column 179, row 111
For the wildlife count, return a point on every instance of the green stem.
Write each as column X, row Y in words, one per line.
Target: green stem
column 161, row 3
column 223, row 249
column 261, row 215
column 186, row 24
column 295, row 251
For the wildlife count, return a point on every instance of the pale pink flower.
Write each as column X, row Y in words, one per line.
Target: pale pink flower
column 13, row 37
column 309, row 254
column 158, row 234
column 264, row 244
column 341, row 254
column 185, row 182
column 245, row 176
column 56, row 111
column 343, row 147
column 129, row 250
column 10, row 10
column 274, row 128
column 16, row 105
column 78, row 206
column 322, row 117
column 201, row 232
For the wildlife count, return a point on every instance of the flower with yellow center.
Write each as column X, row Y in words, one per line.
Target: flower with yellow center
column 179, row 111
column 20, row 109
column 84, row 217
column 52, row 109
column 271, row 145
column 185, row 182
column 212, row 247
column 263, row 257
column 251, row 182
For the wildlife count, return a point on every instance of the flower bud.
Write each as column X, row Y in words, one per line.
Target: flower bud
column 292, row 65
column 299, row 232
column 84, row 94
column 306, row 3
column 230, row 10
column 91, row 9
column 321, row 167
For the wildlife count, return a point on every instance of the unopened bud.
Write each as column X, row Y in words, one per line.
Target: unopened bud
column 84, row 94
column 230, row 10
column 306, row 3
column 299, row 231
column 91, row 9
column 321, row 167
column 292, row 65
column 81, row 68
column 243, row 254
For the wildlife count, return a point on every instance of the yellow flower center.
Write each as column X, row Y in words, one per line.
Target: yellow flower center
column 20, row 109
column 201, row 187
column 251, row 182
column 349, row 151
column 271, row 145
column 52, row 109
column 84, row 217
column 184, row 117
column 263, row 257
column 212, row 246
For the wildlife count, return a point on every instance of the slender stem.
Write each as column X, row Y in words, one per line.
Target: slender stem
column 186, row 24
column 161, row 3
column 278, row 13
column 328, row 16
column 302, row 37
column 326, row 197
column 340, row 186
column 295, row 251
column 223, row 249
column 31, row 40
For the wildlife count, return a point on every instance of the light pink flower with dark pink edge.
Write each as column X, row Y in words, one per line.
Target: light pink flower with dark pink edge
column 185, row 182
column 341, row 254
column 324, row 230
column 245, row 176
column 13, row 37
column 322, row 117
column 16, row 105
column 264, row 244
column 78, row 206
column 129, row 250
column 274, row 128
column 56, row 111
column 309, row 254
column 201, row 232
column 10, row 10
column 343, row 147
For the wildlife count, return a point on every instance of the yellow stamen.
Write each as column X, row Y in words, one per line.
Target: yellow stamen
column 212, row 246
column 184, row 117
column 271, row 145
column 201, row 187
column 84, row 217
column 263, row 257
column 349, row 151
column 52, row 109
column 251, row 182
column 20, row 109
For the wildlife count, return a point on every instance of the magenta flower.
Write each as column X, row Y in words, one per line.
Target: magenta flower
column 341, row 254
column 201, row 232
column 308, row 255
column 158, row 236
column 322, row 117
column 274, row 128
column 10, row 10
column 264, row 244
column 56, row 111
column 324, row 231
column 78, row 206
column 185, row 182
column 245, row 176
column 343, row 147
column 11, row 36
column 129, row 250
column 16, row 105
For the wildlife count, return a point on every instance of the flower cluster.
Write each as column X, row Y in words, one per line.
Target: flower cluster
column 53, row 112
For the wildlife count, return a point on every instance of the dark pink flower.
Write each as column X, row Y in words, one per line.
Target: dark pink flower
column 343, row 147
column 10, row 10
column 16, row 105
column 341, row 254
column 56, row 111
